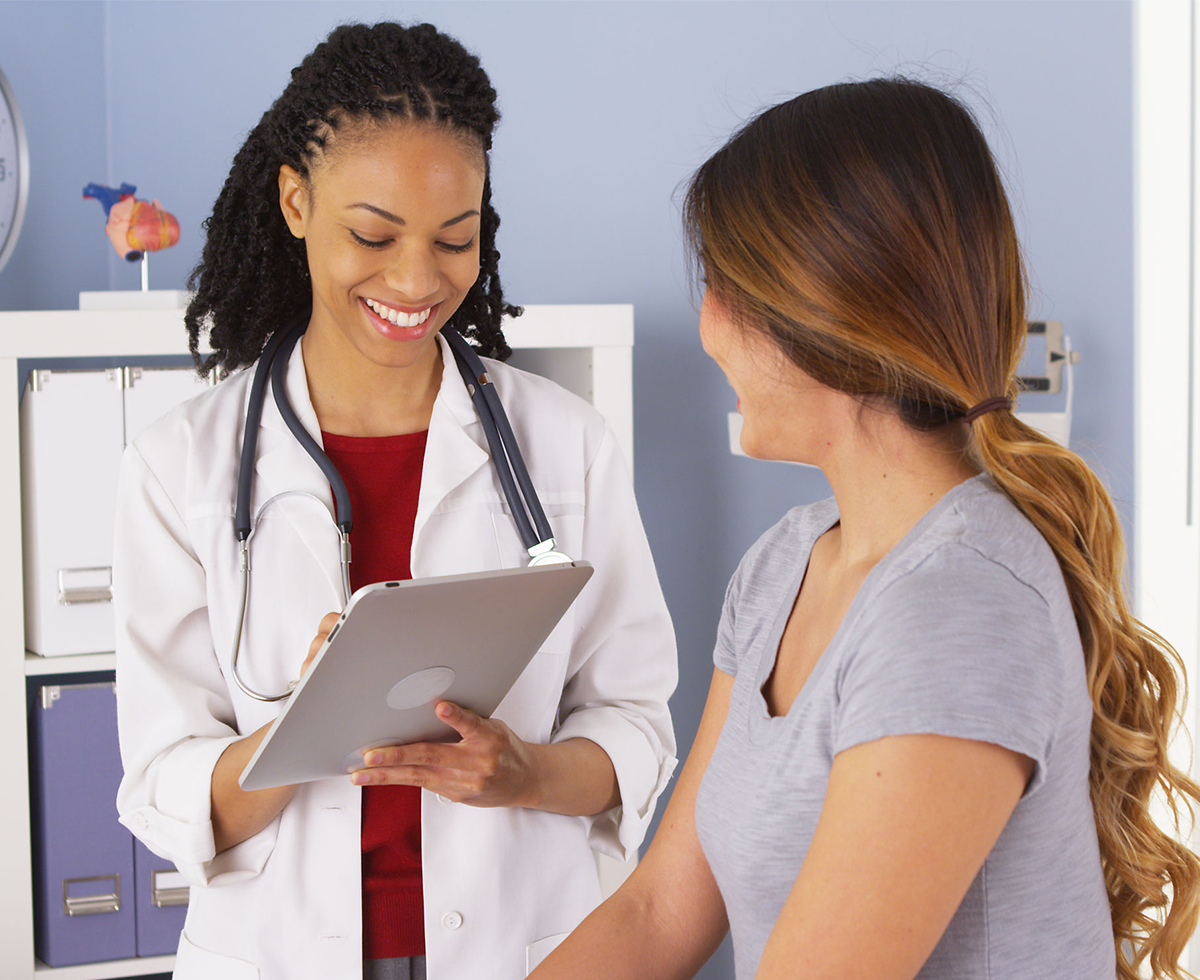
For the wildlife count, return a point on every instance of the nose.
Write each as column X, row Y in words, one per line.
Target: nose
column 414, row 274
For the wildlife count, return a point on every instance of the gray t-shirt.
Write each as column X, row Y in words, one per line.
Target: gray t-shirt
column 964, row 629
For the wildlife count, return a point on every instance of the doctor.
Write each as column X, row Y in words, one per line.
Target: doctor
column 360, row 204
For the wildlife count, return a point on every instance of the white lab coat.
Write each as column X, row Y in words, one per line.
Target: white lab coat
column 501, row 885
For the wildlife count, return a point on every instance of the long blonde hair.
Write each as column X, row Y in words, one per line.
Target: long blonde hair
column 864, row 227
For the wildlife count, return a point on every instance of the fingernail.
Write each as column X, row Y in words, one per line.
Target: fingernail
column 373, row 758
column 358, row 778
column 444, row 709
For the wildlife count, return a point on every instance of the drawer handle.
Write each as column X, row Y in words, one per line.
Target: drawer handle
column 92, row 904
column 168, row 889
column 96, row 585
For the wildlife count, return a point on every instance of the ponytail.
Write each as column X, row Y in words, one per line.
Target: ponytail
column 1152, row 878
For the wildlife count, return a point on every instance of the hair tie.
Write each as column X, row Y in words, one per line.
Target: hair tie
column 990, row 405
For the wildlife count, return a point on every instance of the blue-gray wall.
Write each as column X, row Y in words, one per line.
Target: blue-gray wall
column 607, row 107
column 61, row 93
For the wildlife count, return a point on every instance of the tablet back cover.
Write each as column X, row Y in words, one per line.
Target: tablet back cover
column 399, row 648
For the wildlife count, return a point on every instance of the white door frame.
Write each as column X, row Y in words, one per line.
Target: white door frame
column 1167, row 451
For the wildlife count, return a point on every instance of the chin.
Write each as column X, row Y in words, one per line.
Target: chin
column 773, row 453
column 752, row 442
column 755, row 451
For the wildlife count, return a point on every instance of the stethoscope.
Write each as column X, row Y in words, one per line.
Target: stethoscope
column 506, row 457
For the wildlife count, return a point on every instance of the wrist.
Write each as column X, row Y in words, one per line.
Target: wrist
column 533, row 796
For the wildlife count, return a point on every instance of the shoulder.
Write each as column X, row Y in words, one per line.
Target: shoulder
column 766, row 575
column 226, row 400
column 543, row 411
column 973, row 553
column 206, row 426
column 531, row 391
column 967, row 627
column 973, row 567
column 777, row 549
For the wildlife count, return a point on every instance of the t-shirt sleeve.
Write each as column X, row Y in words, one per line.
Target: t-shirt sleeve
column 766, row 579
column 958, row 647
column 725, row 652
column 752, row 597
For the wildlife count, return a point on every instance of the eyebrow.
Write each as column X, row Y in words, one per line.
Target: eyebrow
column 396, row 219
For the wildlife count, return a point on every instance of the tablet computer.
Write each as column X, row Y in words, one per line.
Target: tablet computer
column 400, row 647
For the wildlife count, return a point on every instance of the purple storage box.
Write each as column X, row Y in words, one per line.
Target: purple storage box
column 82, row 857
column 162, row 897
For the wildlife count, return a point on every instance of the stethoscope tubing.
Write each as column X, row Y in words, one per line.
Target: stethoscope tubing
column 341, row 496
column 241, row 512
column 509, row 464
column 502, row 443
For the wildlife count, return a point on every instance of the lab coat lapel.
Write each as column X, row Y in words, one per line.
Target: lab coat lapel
column 453, row 451
column 453, row 454
column 284, row 466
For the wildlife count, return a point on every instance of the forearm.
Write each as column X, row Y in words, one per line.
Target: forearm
column 575, row 777
column 640, row 933
column 669, row 917
column 237, row 814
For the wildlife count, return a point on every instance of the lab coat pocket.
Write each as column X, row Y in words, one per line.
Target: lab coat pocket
column 536, row 952
column 568, row 536
column 194, row 963
column 508, row 541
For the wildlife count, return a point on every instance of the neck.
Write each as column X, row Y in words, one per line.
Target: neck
column 885, row 479
column 352, row 396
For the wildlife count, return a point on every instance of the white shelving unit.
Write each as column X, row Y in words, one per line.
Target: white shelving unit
column 587, row 349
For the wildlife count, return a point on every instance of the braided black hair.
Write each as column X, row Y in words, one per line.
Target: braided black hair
column 253, row 277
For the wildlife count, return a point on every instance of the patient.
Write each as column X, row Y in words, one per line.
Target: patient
column 934, row 725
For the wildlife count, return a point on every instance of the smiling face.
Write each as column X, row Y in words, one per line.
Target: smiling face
column 390, row 220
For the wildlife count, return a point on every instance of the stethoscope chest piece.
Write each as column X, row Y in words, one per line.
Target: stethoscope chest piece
column 543, row 553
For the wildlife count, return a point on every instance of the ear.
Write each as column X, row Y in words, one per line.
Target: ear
column 293, row 200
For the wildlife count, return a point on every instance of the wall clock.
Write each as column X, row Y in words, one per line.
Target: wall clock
column 14, row 171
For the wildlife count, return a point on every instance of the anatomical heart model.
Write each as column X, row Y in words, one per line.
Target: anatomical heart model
column 134, row 227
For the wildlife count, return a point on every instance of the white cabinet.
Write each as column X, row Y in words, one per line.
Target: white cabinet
column 71, row 442
column 585, row 348
column 75, row 425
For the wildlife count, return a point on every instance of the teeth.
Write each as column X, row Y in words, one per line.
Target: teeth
column 398, row 317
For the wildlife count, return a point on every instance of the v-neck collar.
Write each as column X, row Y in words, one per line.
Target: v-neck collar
column 822, row 517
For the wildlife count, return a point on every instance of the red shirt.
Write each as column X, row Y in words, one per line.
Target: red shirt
column 383, row 477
